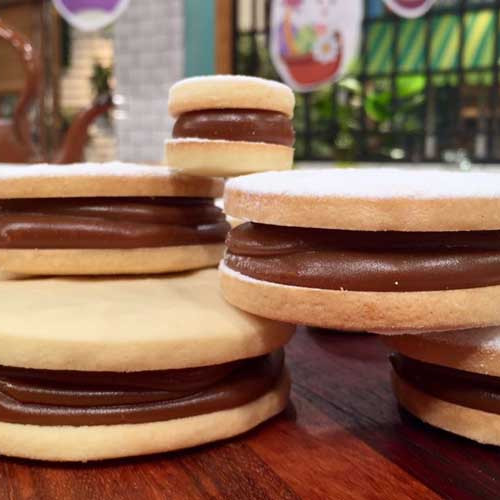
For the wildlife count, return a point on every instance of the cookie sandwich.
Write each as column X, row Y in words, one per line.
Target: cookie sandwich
column 375, row 249
column 113, row 367
column 451, row 380
column 107, row 219
column 230, row 125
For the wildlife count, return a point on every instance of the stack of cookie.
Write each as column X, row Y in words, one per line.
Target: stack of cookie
column 395, row 252
column 230, row 125
column 98, row 366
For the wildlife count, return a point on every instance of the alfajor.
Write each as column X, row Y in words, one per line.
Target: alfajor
column 451, row 380
column 107, row 218
column 384, row 250
column 96, row 368
column 230, row 125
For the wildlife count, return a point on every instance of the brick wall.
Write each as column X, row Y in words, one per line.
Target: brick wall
column 149, row 58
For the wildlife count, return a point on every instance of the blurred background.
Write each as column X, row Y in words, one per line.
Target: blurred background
column 421, row 89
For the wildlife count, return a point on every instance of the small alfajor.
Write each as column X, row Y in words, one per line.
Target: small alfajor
column 375, row 249
column 96, row 368
column 230, row 125
column 110, row 218
column 451, row 380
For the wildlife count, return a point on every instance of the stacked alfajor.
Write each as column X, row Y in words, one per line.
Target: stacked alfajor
column 107, row 349
column 403, row 253
column 229, row 125
column 112, row 218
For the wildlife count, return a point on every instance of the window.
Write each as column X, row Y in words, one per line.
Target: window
column 420, row 90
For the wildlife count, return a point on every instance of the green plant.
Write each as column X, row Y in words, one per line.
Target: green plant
column 100, row 80
column 381, row 106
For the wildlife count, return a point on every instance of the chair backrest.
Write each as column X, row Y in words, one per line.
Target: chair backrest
column 19, row 129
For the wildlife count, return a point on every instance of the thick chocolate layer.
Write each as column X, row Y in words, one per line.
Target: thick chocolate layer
column 365, row 261
column 45, row 397
column 236, row 125
column 110, row 223
column 473, row 390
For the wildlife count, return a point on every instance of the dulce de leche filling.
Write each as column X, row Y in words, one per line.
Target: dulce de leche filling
column 49, row 397
column 473, row 390
column 365, row 261
column 236, row 125
column 110, row 223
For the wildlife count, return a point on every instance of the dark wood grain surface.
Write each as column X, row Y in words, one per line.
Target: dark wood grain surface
column 342, row 437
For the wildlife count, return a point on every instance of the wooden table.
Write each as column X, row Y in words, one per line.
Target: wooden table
column 342, row 437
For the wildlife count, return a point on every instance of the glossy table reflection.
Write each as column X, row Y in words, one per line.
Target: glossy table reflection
column 342, row 437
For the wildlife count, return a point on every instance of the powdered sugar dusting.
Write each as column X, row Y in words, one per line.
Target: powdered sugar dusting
column 187, row 140
column 232, row 78
column 482, row 338
column 373, row 183
column 110, row 169
column 181, row 140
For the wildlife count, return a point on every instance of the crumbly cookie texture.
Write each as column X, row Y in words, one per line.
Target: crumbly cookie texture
column 474, row 424
column 102, row 179
column 67, row 443
column 226, row 158
column 369, row 199
column 128, row 324
column 230, row 91
column 476, row 350
column 86, row 262
column 388, row 313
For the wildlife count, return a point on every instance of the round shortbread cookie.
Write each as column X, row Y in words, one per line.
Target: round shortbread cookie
column 386, row 313
column 100, row 442
column 478, row 425
column 83, row 180
column 64, row 262
column 226, row 158
column 476, row 350
column 369, row 199
column 230, row 92
column 128, row 324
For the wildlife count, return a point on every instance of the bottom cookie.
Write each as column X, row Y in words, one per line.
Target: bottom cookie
column 68, row 443
column 217, row 157
column 115, row 261
column 389, row 313
column 477, row 425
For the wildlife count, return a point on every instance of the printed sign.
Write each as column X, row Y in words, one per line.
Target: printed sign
column 90, row 15
column 410, row 8
column 313, row 41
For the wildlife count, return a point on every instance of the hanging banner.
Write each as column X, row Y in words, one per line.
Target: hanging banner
column 410, row 8
column 313, row 41
column 90, row 15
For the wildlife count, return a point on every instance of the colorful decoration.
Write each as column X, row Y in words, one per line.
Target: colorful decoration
column 90, row 15
column 410, row 8
column 313, row 41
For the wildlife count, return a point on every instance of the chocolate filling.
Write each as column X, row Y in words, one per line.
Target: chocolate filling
column 363, row 260
column 110, row 222
column 46, row 397
column 473, row 390
column 236, row 125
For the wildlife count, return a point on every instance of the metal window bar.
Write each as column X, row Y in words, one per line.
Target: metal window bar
column 442, row 122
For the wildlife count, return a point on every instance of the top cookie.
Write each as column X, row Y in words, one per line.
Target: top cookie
column 103, row 179
column 230, row 92
column 128, row 324
column 369, row 199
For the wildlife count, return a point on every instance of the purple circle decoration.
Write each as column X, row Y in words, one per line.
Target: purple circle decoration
column 77, row 6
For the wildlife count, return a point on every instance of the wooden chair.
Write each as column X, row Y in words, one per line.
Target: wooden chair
column 16, row 144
